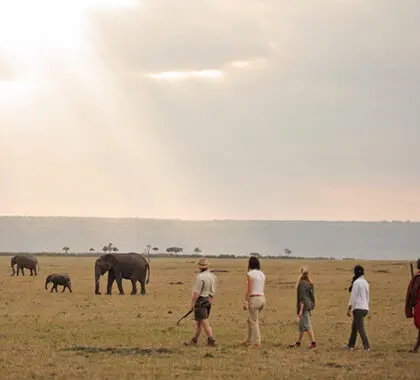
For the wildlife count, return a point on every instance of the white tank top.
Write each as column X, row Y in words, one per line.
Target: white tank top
column 258, row 282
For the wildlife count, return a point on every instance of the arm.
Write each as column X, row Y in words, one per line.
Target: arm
column 248, row 291
column 353, row 296
column 300, row 295
column 415, row 289
column 196, row 292
column 300, row 309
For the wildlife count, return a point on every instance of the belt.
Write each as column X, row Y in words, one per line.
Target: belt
column 257, row 295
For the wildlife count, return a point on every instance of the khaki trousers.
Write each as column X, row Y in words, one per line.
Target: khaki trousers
column 255, row 306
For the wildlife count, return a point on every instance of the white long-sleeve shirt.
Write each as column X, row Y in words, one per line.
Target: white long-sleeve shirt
column 359, row 297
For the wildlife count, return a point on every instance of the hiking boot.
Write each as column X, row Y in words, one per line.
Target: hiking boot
column 211, row 342
column 297, row 344
column 312, row 345
column 347, row 347
column 192, row 342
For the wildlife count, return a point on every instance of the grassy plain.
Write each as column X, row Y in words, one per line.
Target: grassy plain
column 47, row 335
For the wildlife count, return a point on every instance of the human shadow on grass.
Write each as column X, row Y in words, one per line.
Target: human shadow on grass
column 123, row 351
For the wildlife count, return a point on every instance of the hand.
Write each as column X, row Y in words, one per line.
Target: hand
column 300, row 315
column 349, row 313
column 245, row 305
column 192, row 306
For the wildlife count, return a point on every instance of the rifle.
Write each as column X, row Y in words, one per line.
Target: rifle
column 412, row 270
column 184, row 316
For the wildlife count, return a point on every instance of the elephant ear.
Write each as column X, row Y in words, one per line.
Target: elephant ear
column 110, row 260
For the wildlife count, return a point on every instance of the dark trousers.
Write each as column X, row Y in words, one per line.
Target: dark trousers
column 358, row 326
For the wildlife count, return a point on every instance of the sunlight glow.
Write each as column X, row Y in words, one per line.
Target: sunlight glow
column 178, row 75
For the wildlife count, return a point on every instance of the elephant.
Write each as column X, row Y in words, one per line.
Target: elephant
column 24, row 261
column 129, row 266
column 58, row 279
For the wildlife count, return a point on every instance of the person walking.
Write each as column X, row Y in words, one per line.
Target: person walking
column 254, row 302
column 412, row 304
column 305, row 304
column 203, row 294
column 359, row 308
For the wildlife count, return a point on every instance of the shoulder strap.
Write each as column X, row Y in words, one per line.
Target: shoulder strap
column 202, row 288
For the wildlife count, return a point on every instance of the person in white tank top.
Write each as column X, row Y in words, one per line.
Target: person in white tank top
column 254, row 301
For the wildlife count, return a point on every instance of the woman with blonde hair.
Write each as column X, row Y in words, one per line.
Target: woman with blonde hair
column 305, row 304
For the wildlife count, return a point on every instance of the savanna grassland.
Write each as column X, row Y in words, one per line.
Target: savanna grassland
column 47, row 335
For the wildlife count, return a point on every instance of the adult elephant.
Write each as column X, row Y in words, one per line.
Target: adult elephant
column 129, row 266
column 24, row 261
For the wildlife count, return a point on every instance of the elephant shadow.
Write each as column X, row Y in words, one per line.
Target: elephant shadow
column 123, row 351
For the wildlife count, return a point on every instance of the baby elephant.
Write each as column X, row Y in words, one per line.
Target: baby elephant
column 59, row 279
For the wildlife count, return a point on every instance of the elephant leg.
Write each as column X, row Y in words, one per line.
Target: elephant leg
column 134, row 285
column 52, row 288
column 56, row 287
column 111, row 279
column 64, row 288
column 69, row 288
column 143, row 287
column 118, row 278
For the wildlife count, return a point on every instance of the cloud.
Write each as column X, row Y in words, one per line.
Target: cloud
column 308, row 96
column 178, row 36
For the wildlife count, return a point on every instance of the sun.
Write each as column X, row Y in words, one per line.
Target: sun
column 29, row 28
column 34, row 33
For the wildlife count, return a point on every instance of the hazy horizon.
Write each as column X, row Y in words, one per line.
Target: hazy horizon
column 210, row 220
column 252, row 110
column 363, row 240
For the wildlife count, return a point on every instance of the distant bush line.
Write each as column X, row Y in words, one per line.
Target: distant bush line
column 168, row 255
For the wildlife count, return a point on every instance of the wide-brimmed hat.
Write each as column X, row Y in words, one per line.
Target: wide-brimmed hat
column 203, row 263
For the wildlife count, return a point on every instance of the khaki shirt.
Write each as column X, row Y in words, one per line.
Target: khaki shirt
column 205, row 284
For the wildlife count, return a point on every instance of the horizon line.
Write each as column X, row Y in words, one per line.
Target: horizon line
column 214, row 219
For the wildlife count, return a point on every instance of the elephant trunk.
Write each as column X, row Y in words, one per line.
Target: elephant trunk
column 148, row 273
column 97, row 276
column 47, row 282
column 12, row 264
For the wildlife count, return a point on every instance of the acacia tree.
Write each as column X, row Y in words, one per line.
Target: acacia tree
column 108, row 248
column 175, row 250
column 287, row 251
column 66, row 250
column 197, row 250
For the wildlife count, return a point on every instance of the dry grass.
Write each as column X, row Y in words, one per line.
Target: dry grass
column 80, row 335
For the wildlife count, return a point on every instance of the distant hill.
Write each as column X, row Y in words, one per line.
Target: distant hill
column 368, row 240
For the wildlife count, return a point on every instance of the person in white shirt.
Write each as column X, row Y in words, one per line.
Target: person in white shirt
column 254, row 302
column 203, row 293
column 359, row 307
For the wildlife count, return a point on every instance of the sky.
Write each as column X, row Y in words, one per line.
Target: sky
column 210, row 109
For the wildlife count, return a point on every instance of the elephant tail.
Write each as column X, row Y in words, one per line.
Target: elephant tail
column 37, row 264
column 148, row 273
